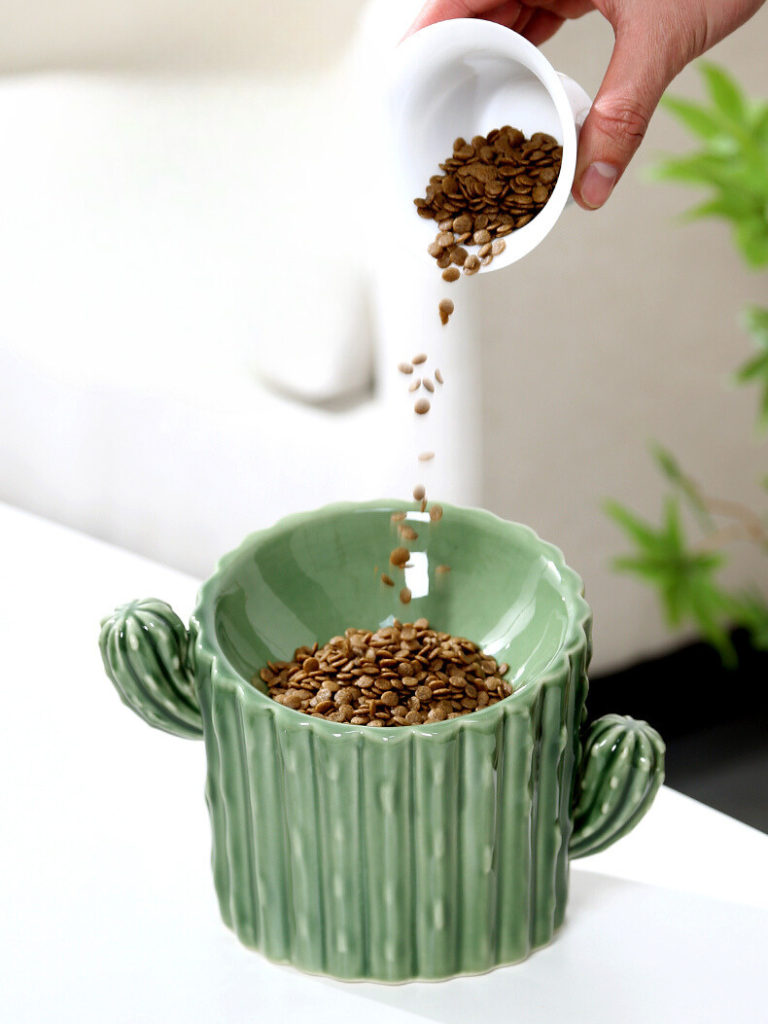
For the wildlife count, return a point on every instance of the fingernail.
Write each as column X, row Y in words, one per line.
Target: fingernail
column 597, row 183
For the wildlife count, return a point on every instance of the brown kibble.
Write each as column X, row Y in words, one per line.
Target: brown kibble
column 459, row 255
column 399, row 556
column 422, row 406
column 389, row 698
column 444, row 239
column 405, row 368
column 405, row 595
column 439, row 377
column 429, row 386
column 443, row 569
column 498, row 246
column 436, row 513
column 435, row 249
column 451, row 274
column 481, row 237
column 415, row 385
column 398, row 517
column 443, row 318
column 418, row 492
column 445, row 225
column 387, row 580
column 444, row 260
column 311, row 665
column 424, row 693
column 446, row 306
column 420, row 358
column 471, row 265
column 463, row 224
column 408, row 532
column 426, row 456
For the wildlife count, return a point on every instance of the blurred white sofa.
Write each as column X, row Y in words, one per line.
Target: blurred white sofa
column 185, row 353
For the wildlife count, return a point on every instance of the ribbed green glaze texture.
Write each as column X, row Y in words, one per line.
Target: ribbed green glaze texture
column 392, row 855
column 144, row 650
column 621, row 770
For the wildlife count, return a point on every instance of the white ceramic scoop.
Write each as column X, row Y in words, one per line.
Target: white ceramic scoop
column 463, row 78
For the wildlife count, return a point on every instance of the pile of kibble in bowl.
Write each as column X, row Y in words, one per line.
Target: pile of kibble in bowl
column 403, row 674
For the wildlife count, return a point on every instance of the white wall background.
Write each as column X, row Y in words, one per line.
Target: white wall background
column 142, row 279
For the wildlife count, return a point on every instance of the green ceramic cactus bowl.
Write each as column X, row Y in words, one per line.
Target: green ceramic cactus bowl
column 422, row 852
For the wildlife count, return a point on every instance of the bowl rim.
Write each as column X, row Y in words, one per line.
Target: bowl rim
column 224, row 675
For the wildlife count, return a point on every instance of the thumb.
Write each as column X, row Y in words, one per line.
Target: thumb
column 633, row 85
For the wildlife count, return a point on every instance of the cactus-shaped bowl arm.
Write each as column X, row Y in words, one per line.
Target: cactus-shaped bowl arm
column 144, row 646
column 621, row 770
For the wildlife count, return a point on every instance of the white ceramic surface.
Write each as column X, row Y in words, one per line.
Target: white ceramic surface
column 462, row 78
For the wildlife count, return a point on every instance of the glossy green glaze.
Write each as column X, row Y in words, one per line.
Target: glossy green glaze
column 394, row 854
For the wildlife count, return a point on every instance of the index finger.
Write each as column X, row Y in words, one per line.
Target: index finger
column 445, row 10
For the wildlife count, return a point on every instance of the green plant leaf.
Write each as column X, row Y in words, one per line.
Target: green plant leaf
column 725, row 92
column 695, row 118
column 672, row 470
column 752, row 238
column 755, row 370
column 683, row 577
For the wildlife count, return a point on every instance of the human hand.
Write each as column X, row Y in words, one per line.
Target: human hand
column 655, row 39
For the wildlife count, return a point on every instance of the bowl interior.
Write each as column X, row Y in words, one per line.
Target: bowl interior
column 312, row 576
column 464, row 78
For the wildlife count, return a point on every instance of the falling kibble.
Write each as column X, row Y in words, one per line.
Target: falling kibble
column 436, row 513
column 420, row 358
column 451, row 274
column 416, row 385
column 407, row 533
column 445, row 308
column 439, row 377
column 426, row 456
column 399, row 557
column 428, row 385
column 405, row 368
column 443, row 569
column 387, row 580
column 418, row 492
column 422, row 406
column 405, row 595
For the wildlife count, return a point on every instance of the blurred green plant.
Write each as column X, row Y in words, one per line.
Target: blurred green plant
column 732, row 162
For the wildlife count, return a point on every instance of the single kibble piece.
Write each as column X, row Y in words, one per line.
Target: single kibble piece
column 498, row 247
column 443, row 569
column 426, row 456
column 443, row 318
column 408, row 532
column 459, row 255
column 435, row 249
column 416, row 384
column 444, row 239
column 418, row 492
column 398, row 517
column 420, row 358
column 422, row 406
column 387, row 580
column 471, row 265
column 481, row 237
column 405, row 368
column 429, row 386
column 399, row 556
column 439, row 377
column 405, row 595
column 446, row 306
column 436, row 513
column 451, row 274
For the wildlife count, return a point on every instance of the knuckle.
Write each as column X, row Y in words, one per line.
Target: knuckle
column 624, row 120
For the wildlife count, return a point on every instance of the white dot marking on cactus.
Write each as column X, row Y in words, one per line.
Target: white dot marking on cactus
column 341, row 943
column 175, row 662
column 614, row 781
column 604, row 808
column 625, row 753
column 487, row 858
column 438, row 915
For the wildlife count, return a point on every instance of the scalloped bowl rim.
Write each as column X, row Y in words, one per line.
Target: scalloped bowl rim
column 223, row 672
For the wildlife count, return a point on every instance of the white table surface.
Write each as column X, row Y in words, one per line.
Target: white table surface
column 107, row 907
